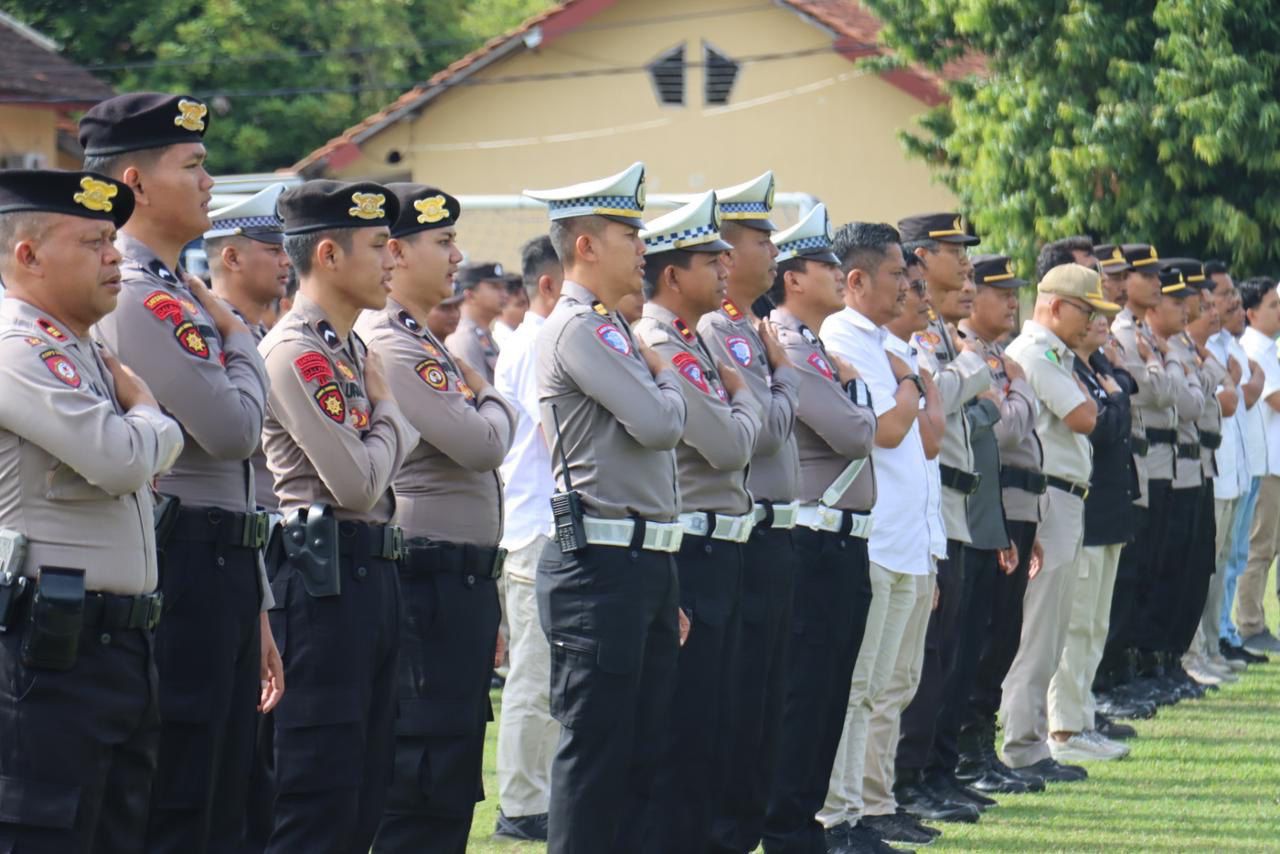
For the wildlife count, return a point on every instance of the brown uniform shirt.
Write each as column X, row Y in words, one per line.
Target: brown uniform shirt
column 216, row 389
column 1152, row 404
column 474, row 345
column 324, row 442
column 1192, row 401
column 719, row 433
column 449, row 488
column 774, row 474
column 75, row 468
column 831, row 430
column 619, row 424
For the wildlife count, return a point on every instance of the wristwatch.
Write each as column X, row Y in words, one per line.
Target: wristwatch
column 914, row 378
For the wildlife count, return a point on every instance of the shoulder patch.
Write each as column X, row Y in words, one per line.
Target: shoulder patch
column 408, row 321
column 49, row 329
column 313, row 367
column 191, row 340
column 432, row 374
column 331, row 402
column 820, row 365
column 613, row 338
column 329, row 335
column 60, row 366
column 688, row 367
column 739, row 348
column 163, row 306
column 734, row 313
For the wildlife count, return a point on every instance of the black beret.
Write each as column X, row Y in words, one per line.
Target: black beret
column 142, row 120
column 422, row 208
column 83, row 194
column 995, row 271
column 942, row 227
column 322, row 205
column 473, row 274
column 1141, row 257
column 1111, row 257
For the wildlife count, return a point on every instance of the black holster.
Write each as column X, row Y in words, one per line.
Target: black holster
column 166, row 517
column 309, row 540
column 55, row 619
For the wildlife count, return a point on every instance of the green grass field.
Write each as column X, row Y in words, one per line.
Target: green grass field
column 1204, row 776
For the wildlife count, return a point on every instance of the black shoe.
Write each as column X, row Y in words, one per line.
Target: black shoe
column 912, row 821
column 1052, row 771
column 862, row 839
column 1118, row 704
column 527, row 828
column 837, row 837
column 994, row 783
column 1033, row 781
column 898, row 828
column 948, row 788
column 1112, row 730
column 922, row 803
column 1230, row 650
column 1014, row 780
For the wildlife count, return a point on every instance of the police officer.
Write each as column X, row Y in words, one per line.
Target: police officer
column 835, row 429
column 249, row 271
column 484, row 291
column 334, row 439
column 200, row 360
column 1115, row 270
column 735, row 336
column 81, row 437
column 449, row 503
column 609, row 606
column 684, row 279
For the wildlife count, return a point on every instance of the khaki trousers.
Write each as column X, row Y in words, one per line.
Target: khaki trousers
column 1046, row 615
column 1264, row 544
column 1206, row 639
column 884, row 725
column 1070, row 692
column 527, row 734
column 893, row 596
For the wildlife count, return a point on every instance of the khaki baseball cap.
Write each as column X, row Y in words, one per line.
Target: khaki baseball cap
column 1074, row 280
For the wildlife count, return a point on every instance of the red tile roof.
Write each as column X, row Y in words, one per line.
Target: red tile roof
column 855, row 29
column 33, row 72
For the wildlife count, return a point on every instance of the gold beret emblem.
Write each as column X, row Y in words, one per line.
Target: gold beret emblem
column 367, row 205
column 95, row 195
column 190, row 115
column 431, row 209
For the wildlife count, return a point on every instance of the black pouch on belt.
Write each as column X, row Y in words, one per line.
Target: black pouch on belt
column 55, row 619
column 310, row 540
column 166, row 516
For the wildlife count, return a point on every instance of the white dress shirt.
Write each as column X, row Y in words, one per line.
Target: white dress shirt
column 1266, row 444
column 1233, row 468
column 526, row 471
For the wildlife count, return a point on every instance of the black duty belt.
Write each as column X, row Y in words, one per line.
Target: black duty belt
column 215, row 525
column 429, row 557
column 1188, row 450
column 109, row 612
column 1076, row 489
column 1157, row 436
column 361, row 539
column 1013, row 477
column 1139, row 445
column 1212, row 441
column 959, row 480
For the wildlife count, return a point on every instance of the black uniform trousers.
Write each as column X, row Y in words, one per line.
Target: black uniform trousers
column 1198, row 569
column 334, row 739
column 208, row 653
column 447, row 641
column 1130, row 572
column 941, row 643
column 748, row 746
column 609, row 614
column 1149, row 549
column 1171, row 541
column 829, row 616
column 686, row 790
column 78, row 747
column 981, row 568
column 1004, row 632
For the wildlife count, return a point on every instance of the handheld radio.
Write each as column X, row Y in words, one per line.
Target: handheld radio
column 566, row 506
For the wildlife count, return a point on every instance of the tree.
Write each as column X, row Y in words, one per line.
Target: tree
column 1133, row 121
column 281, row 77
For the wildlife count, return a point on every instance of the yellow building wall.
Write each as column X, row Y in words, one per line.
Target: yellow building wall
column 822, row 126
column 29, row 129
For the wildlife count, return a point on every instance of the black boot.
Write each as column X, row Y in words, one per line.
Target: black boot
column 916, row 798
column 976, row 768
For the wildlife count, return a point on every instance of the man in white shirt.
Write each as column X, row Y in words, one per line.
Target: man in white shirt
column 527, row 734
column 1262, row 311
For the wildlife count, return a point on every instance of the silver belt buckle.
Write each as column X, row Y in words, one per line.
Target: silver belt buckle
column 828, row 518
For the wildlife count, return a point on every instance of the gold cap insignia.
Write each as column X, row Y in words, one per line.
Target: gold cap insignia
column 1008, row 267
column 95, row 195
column 956, row 225
column 190, row 115
column 1117, row 255
column 431, row 209
column 367, row 205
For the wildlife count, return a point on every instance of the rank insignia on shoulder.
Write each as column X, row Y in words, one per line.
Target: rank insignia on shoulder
column 158, row 268
column 191, row 339
column 598, row 308
column 731, row 309
column 687, row 366
column 1052, row 355
column 432, row 374
column 49, row 329
column 329, row 335
column 408, row 322
column 684, row 331
column 331, row 402
column 808, row 335
column 612, row 337
column 60, row 366
column 346, row 372
column 163, row 306
column 359, row 418
column 432, row 350
column 739, row 348
column 820, row 365
column 313, row 367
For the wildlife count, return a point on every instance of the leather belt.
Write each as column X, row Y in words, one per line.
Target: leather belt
column 818, row 517
column 428, row 557
column 657, row 536
column 108, row 611
column 960, row 480
column 1188, row 450
column 1159, row 436
column 1139, row 445
column 1076, row 489
column 215, row 525
column 1212, row 441
column 733, row 529
column 783, row 515
column 1014, row 477
column 360, row 539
